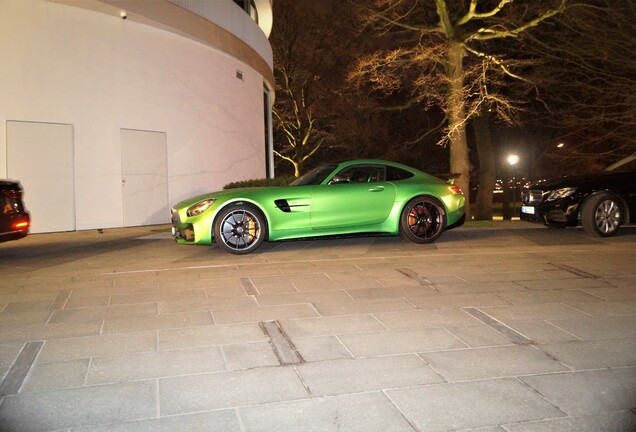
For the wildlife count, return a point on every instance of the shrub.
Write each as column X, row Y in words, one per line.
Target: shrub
column 278, row 181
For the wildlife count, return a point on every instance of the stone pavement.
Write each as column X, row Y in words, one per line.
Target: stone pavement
column 513, row 327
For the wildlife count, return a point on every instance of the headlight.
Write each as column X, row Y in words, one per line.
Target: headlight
column 200, row 207
column 560, row 193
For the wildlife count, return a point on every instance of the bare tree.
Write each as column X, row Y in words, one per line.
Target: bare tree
column 438, row 53
column 587, row 82
column 308, row 61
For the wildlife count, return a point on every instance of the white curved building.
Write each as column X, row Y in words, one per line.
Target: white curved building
column 112, row 110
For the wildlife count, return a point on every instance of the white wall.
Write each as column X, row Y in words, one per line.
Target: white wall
column 100, row 73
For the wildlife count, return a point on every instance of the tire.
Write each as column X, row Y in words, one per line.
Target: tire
column 602, row 215
column 423, row 220
column 240, row 229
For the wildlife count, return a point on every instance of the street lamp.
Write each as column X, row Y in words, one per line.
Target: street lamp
column 513, row 159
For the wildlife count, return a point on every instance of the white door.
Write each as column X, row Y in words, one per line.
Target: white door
column 40, row 156
column 144, row 182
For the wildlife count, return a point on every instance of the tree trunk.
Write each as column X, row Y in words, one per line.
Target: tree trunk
column 487, row 167
column 459, row 162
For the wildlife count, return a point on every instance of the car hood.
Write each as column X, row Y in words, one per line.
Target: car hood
column 229, row 193
column 573, row 181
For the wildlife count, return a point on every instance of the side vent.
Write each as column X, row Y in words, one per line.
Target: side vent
column 283, row 205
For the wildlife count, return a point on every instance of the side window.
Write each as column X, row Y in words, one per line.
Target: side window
column 395, row 174
column 363, row 174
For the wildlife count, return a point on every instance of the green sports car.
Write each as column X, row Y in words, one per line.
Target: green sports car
column 361, row 196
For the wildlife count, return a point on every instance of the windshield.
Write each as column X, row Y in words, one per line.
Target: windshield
column 315, row 176
column 626, row 167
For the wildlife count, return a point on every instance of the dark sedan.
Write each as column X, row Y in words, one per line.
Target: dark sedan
column 600, row 202
column 14, row 219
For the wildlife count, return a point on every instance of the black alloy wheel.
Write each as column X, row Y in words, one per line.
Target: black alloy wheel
column 423, row 220
column 240, row 229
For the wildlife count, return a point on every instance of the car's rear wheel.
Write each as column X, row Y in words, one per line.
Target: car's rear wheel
column 240, row 229
column 602, row 215
column 423, row 220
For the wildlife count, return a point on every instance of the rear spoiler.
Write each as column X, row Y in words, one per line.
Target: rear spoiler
column 450, row 177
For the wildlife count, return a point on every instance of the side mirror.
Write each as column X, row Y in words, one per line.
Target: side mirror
column 339, row 179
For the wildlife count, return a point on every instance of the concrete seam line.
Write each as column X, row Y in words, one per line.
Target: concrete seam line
column 18, row 372
column 513, row 335
column 283, row 347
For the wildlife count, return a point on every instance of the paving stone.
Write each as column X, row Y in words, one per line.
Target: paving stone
column 493, row 362
column 31, row 332
column 579, row 283
column 426, row 318
column 599, row 327
column 80, row 315
column 604, row 390
column 97, row 346
column 325, row 326
column 528, row 312
column 88, row 301
column 11, row 319
column 605, row 308
column 157, row 364
column 400, row 342
column 479, row 287
column 25, row 306
column 249, row 355
column 454, row 301
column 391, row 292
column 622, row 421
column 313, row 349
column 541, row 331
column 359, row 375
column 207, row 304
column 159, row 322
column 366, row 412
column 212, row 421
column 55, row 376
column 196, row 393
column 549, row 296
column 210, row 335
column 85, row 406
column 362, row 307
column 9, row 353
column 445, row 407
column 478, row 335
column 267, row 313
column 604, row 353
column 303, row 297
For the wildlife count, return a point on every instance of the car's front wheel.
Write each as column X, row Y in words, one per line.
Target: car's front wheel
column 602, row 215
column 423, row 220
column 240, row 229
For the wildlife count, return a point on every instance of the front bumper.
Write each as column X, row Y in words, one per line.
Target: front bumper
column 564, row 212
column 182, row 233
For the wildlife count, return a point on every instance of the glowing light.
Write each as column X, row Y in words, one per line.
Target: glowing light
column 513, row 159
column 560, row 145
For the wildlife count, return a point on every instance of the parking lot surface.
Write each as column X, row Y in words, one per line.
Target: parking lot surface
column 510, row 327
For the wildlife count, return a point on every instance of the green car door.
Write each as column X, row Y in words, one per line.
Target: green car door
column 356, row 196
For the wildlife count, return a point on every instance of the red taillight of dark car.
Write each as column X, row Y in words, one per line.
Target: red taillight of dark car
column 21, row 225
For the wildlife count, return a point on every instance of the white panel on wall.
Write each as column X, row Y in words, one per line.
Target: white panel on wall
column 144, row 177
column 40, row 156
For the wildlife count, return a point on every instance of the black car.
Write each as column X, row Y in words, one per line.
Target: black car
column 14, row 219
column 600, row 202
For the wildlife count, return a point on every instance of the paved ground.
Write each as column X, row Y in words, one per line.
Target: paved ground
column 518, row 328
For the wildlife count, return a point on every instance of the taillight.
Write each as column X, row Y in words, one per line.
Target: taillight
column 454, row 189
column 21, row 225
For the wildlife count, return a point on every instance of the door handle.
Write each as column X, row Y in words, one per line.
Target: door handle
column 376, row 189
